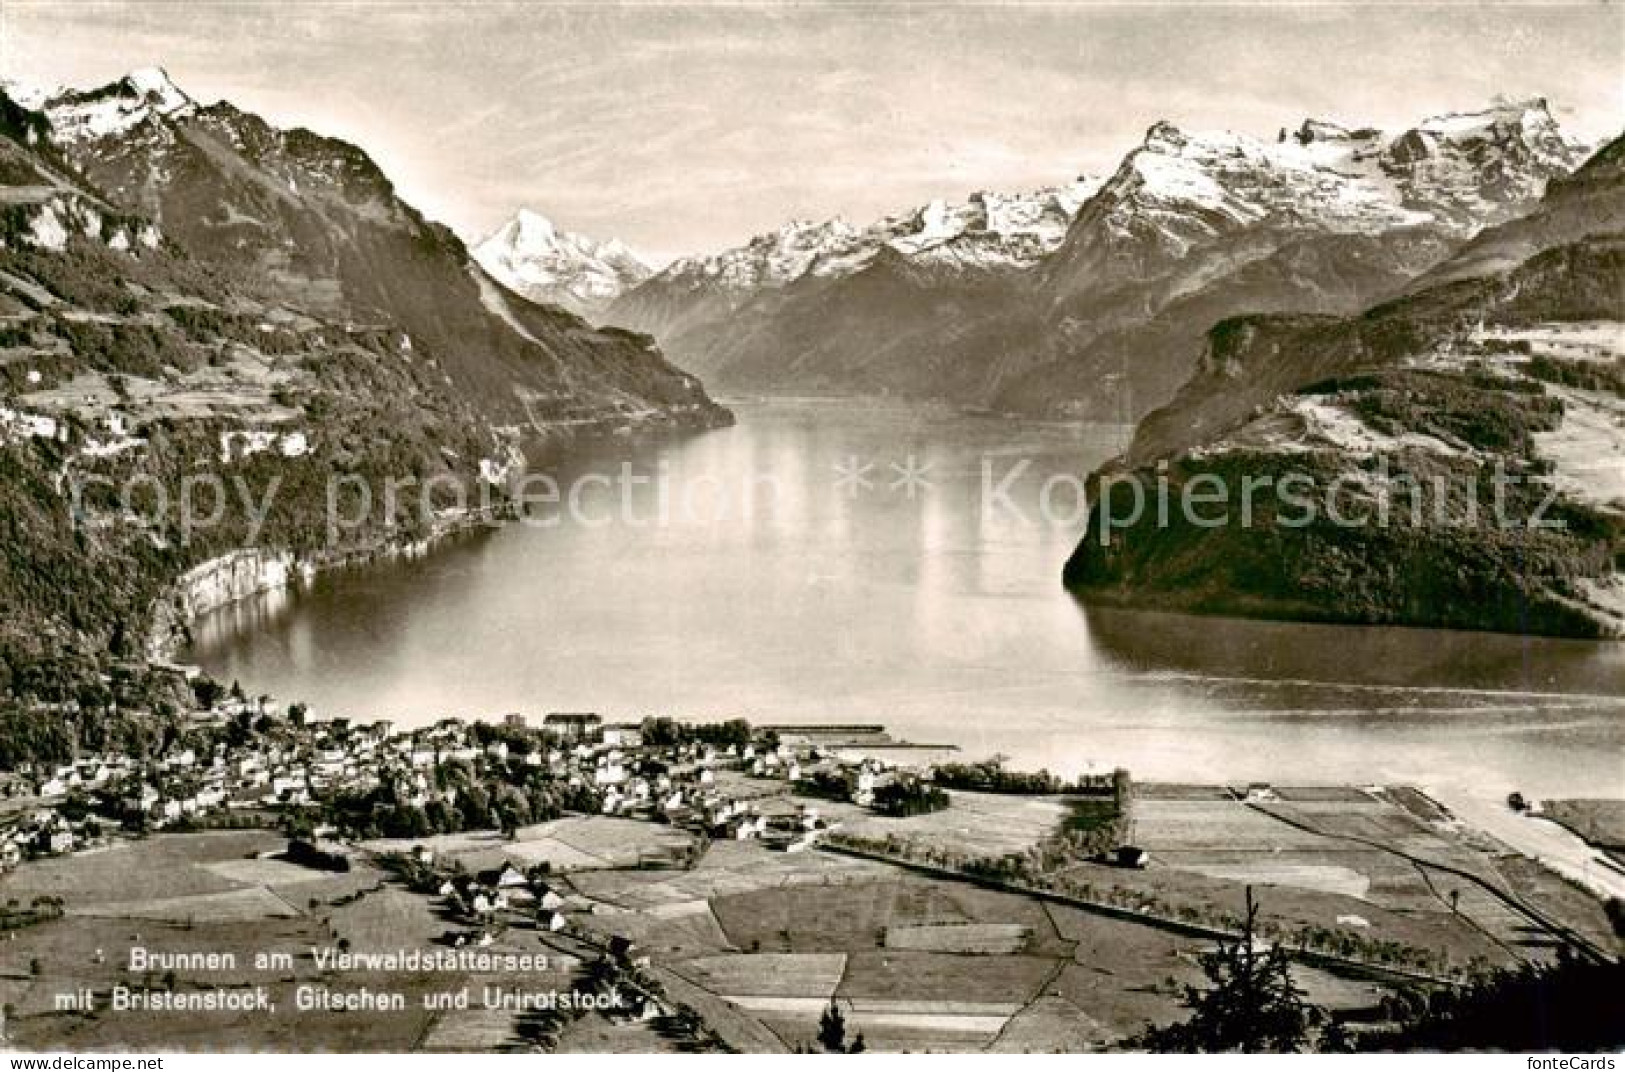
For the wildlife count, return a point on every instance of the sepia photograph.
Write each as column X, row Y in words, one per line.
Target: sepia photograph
column 537, row 527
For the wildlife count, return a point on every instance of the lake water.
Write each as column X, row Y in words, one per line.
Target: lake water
column 837, row 596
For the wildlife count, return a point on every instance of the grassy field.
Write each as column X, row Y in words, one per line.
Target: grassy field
column 729, row 868
column 967, row 938
column 980, row 824
column 215, row 893
column 1379, row 866
column 768, row 975
column 843, row 941
column 761, row 941
column 576, row 843
column 168, row 865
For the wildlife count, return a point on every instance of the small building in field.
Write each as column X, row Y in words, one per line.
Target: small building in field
column 1132, row 856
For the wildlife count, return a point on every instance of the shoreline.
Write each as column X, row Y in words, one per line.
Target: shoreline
column 1543, row 840
column 174, row 612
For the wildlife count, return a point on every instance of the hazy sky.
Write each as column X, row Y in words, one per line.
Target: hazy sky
column 685, row 127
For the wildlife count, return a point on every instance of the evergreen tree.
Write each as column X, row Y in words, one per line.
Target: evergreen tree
column 832, row 1029
column 1251, row 1006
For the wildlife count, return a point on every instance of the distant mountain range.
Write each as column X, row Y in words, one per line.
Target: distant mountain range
column 987, row 233
column 776, row 289
column 1092, row 299
column 184, row 286
column 538, row 260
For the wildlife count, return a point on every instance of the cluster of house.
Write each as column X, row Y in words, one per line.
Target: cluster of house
column 41, row 832
column 478, row 898
column 295, row 765
column 300, row 762
column 686, row 792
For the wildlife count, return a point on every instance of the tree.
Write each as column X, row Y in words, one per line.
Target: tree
column 1251, row 1006
column 832, row 1032
column 207, row 692
column 832, row 1029
column 1570, row 1006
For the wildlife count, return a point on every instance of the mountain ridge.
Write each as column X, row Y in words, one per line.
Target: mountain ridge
column 1508, row 357
column 188, row 290
column 308, row 219
column 1104, row 321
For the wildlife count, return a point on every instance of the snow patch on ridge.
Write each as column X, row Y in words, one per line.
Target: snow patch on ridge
column 117, row 108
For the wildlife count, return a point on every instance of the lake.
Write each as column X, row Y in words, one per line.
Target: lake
column 832, row 561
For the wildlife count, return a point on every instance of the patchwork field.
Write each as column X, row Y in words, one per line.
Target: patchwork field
column 213, row 892
column 215, row 876
column 982, row 971
column 763, row 977
column 760, row 941
column 729, row 868
column 980, row 824
column 168, row 865
column 1377, row 865
column 575, row 843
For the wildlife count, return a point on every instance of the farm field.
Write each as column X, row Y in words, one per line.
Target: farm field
column 921, row 963
column 978, row 824
column 760, row 941
column 1377, row 865
column 212, row 892
column 574, row 843
column 986, row 979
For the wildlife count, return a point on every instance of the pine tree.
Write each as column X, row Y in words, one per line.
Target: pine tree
column 832, row 1029
column 1251, row 1006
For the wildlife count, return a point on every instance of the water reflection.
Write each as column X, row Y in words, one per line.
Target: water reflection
column 1415, row 658
column 935, row 615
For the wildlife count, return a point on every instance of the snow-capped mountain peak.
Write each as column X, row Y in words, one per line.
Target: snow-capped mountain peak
column 987, row 231
column 155, row 85
column 118, row 107
column 990, row 230
column 534, row 257
column 31, row 95
column 1465, row 167
column 1458, row 171
column 533, row 229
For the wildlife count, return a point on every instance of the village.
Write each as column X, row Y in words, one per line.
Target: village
column 291, row 771
column 578, row 884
